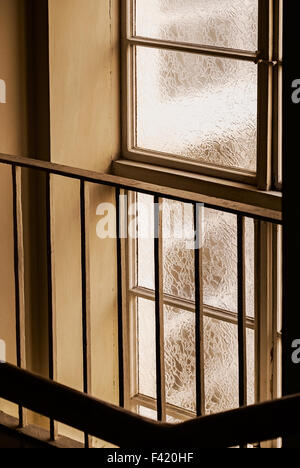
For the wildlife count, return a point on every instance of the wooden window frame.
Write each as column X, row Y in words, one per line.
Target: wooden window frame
column 229, row 185
column 268, row 59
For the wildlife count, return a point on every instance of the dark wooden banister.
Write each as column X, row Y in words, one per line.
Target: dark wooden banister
column 266, row 421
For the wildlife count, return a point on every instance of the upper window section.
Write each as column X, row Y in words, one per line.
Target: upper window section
column 221, row 23
column 202, row 87
column 196, row 107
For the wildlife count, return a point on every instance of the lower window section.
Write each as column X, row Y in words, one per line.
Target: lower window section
column 219, row 276
column 220, row 359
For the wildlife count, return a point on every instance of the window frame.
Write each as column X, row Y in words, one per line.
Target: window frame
column 143, row 165
column 268, row 59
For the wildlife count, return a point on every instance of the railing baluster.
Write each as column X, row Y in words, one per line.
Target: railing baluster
column 19, row 276
column 52, row 336
column 120, row 266
column 242, row 325
column 159, row 312
column 199, row 311
column 86, row 294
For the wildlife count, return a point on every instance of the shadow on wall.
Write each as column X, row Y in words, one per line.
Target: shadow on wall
column 2, row 92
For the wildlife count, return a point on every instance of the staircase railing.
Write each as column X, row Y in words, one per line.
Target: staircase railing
column 258, row 423
column 84, row 413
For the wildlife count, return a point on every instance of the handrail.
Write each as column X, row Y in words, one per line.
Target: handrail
column 266, row 421
column 263, row 213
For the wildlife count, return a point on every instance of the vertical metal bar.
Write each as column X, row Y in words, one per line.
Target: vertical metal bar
column 86, row 303
column 120, row 266
column 19, row 276
column 159, row 312
column 131, row 315
column 265, row 95
column 242, row 326
column 52, row 338
column 276, row 319
column 199, row 332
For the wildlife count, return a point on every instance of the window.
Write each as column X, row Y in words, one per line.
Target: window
column 201, row 87
column 202, row 93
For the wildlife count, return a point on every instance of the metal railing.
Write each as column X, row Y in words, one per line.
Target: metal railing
column 201, row 431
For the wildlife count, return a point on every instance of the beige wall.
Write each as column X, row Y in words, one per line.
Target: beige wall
column 13, row 140
column 84, row 110
column 84, row 67
column 85, row 132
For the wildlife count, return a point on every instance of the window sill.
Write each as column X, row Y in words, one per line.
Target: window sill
column 209, row 190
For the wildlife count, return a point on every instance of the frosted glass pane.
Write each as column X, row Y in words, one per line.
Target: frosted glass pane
column 146, row 348
column 221, row 366
column 251, row 366
column 220, row 362
column 225, row 23
column 219, row 256
column 220, row 260
column 145, row 241
column 198, row 108
column 180, row 358
column 147, row 413
column 178, row 253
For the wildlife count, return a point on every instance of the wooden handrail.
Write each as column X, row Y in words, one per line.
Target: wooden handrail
column 266, row 421
column 268, row 209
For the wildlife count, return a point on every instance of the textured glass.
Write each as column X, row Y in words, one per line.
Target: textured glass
column 197, row 108
column 145, row 241
column 172, row 420
column 147, row 412
column 221, row 366
column 146, row 348
column 220, row 362
column 219, row 255
column 178, row 253
column 225, row 23
column 180, row 358
column 220, row 260
column 251, row 366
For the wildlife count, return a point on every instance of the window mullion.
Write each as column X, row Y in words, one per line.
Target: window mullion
column 265, row 95
column 264, row 258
